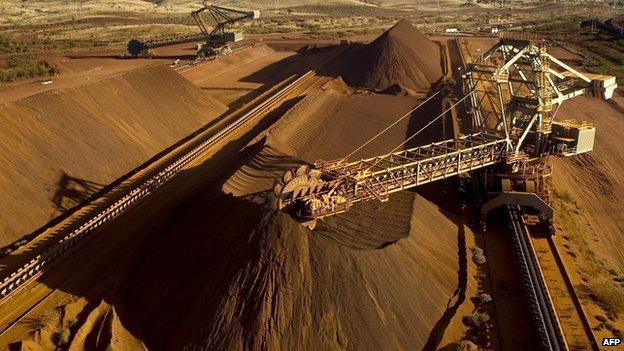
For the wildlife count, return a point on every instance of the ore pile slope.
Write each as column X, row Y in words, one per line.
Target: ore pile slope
column 215, row 281
column 229, row 273
column 58, row 147
column 377, row 277
column 403, row 55
column 595, row 180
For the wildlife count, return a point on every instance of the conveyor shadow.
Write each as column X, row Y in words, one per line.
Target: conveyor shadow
column 180, row 227
column 450, row 205
column 103, row 189
column 275, row 73
column 268, row 76
column 296, row 64
column 446, row 195
column 72, row 191
column 165, row 265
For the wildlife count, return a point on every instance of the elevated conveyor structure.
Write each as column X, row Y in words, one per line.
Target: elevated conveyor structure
column 514, row 92
column 137, row 47
column 332, row 187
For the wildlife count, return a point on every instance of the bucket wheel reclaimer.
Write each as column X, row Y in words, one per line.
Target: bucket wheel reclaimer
column 296, row 185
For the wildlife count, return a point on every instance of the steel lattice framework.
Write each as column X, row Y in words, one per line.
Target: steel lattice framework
column 332, row 187
column 515, row 89
column 517, row 86
column 222, row 17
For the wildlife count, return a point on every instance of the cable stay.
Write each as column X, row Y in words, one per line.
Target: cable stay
column 392, row 125
column 512, row 92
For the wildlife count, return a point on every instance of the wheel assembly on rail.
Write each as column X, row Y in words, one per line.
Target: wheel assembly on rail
column 135, row 47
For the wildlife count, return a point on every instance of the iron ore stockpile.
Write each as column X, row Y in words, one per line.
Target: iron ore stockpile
column 393, row 61
column 67, row 144
column 225, row 271
column 396, row 57
column 376, row 276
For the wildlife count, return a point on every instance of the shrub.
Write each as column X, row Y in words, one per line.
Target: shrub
column 20, row 66
column 8, row 44
column 466, row 345
column 477, row 256
column 476, row 320
column 484, row 298
column 62, row 337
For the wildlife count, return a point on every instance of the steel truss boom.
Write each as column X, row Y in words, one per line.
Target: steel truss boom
column 513, row 90
column 222, row 17
column 332, row 187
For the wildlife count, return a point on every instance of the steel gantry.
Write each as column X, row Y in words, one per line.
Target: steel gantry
column 517, row 88
column 217, row 38
column 514, row 91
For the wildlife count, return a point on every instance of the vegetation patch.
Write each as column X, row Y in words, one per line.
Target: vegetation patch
column 482, row 299
column 22, row 66
column 477, row 256
column 476, row 320
column 605, row 54
column 19, row 61
column 8, row 44
column 609, row 296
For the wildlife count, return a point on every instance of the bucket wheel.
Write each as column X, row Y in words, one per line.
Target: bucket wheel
column 296, row 184
column 135, row 47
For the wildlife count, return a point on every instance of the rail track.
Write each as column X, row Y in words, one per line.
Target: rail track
column 555, row 309
column 548, row 329
column 572, row 318
column 73, row 232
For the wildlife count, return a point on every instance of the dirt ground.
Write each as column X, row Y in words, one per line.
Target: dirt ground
column 590, row 214
column 206, row 265
column 235, row 80
column 51, row 186
column 76, row 69
column 109, row 256
column 600, row 172
column 345, row 268
column 272, row 283
column 70, row 143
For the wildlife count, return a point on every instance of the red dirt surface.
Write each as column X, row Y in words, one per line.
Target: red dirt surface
column 59, row 147
column 595, row 180
column 380, row 275
column 224, row 271
column 75, row 69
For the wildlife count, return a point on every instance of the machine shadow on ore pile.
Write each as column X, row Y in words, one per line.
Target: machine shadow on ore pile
column 72, row 191
column 203, row 263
